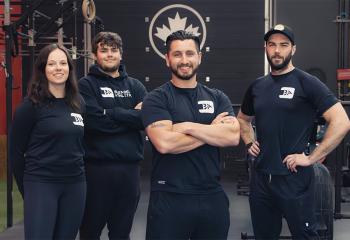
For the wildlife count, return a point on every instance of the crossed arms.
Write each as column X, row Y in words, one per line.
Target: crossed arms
column 169, row 138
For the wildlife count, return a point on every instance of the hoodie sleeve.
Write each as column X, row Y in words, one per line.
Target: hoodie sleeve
column 23, row 122
column 96, row 120
column 130, row 117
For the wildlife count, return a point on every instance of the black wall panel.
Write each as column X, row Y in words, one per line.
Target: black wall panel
column 316, row 35
column 234, row 36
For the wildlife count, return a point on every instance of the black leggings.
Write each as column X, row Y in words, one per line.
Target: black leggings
column 53, row 210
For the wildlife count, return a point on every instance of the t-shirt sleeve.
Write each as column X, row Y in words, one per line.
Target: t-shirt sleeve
column 319, row 94
column 247, row 106
column 141, row 91
column 224, row 104
column 154, row 108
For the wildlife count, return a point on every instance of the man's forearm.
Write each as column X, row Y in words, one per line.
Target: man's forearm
column 220, row 135
column 168, row 141
column 333, row 136
column 183, row 143
column 247, row 131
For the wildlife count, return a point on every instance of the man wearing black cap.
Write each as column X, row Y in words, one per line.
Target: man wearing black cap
column 284, row 104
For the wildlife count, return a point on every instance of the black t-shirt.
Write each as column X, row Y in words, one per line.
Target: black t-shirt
column 285, row 108
column 196, row 171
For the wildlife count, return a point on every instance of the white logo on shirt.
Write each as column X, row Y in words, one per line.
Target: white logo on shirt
column 107, row 92
column 207, row 106
column 122, row 94
column 287, row 92
column 161, row 182
column 78, row 119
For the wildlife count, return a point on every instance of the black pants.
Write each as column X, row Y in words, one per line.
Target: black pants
column 113, row 193
column 183, row 216
column 53, row 210
column 290, row 196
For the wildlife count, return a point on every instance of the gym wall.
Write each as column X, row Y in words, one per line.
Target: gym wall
column 316, row 35
column 232, row 52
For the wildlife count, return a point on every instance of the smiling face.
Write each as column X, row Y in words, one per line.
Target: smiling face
column 57, row 68
column 183, row 59
column 108, row 58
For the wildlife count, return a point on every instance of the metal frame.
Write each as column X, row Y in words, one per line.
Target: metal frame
column 8, row 71
column 270, row 20
column 338, row 179
column 342, row 21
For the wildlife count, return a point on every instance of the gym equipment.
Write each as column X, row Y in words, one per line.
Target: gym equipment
column 324, row 201
column 342, row 172
column 243, row 178
column 88, row 10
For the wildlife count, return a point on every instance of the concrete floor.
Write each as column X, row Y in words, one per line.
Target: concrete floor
column 240, row 217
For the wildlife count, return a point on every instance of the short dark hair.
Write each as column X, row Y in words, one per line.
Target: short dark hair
column 182, row 35
column 38, row 89
column 110, row 39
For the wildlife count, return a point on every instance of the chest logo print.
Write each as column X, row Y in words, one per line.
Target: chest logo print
column 122, row 94
column 78, row 119
column 287, row 92
column 106, row 92
column 207, row 106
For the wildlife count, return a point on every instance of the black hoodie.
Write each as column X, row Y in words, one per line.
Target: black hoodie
column 112, row 125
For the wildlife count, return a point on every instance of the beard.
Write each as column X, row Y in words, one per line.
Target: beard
column 184, row 76
column 283, row 65
column 109, row 69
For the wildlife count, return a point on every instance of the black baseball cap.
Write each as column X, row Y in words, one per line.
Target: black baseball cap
column 283, row 29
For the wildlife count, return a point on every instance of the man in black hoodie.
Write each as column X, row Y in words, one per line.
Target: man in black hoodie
column 113, row 141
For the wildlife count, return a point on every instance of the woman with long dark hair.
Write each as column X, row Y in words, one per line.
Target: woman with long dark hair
column 46, row 148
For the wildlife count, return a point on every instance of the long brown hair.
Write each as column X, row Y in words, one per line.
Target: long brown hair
column 38, row 89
